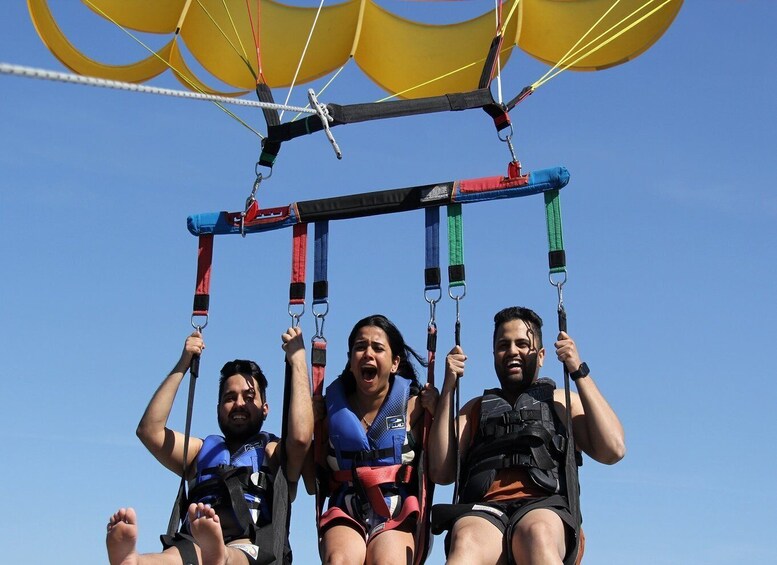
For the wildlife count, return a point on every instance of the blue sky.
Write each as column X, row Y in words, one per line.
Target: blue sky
column 669, row 225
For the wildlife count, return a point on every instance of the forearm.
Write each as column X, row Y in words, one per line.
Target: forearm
column 604, row 432
column 300, row 424
column 442, row 452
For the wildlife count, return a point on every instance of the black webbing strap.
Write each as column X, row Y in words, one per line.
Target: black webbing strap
column 270, row 148
column 277, row 533
column 497, row 111
column 180, row 505
column 353, row 113
column 527, row 91
column 570, row 459
column 318, row 353
column 489, row 67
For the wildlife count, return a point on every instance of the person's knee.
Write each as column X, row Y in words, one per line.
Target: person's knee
column 465, row 541
column 536, row 538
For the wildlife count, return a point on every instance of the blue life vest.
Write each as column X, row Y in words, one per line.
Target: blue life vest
column 239, row 482
column 384, row 442
column 373, row 476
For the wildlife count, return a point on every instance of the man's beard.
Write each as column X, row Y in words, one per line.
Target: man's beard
column 241, row 433
column 528, row 374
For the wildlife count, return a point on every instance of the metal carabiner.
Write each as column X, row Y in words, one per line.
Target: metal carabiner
column 320, row 320
column 432, row 304
column 559, row 288
column 509, row 142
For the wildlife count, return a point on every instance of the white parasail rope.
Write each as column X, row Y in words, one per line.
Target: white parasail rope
column 44, row 74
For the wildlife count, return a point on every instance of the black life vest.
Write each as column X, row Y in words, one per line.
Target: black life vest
column 527, row 434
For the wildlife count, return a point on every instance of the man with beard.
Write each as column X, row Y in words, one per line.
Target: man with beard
column 230, row 477
column 512, row 503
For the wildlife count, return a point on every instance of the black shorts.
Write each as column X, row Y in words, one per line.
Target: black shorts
column 504, row 516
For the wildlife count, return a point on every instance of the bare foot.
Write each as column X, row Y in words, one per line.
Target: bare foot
column 206, row 529
column 121, row 538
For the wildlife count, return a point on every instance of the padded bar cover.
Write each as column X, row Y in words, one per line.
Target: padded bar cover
column 384, row 202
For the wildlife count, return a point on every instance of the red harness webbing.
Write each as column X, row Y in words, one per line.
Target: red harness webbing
column 298, row 264
column 202, row 288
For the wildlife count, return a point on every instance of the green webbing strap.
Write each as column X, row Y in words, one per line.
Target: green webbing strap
column 556, row 256
column 456, row 279
column 455, row 247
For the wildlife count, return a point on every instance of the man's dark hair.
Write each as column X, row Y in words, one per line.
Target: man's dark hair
column 529, row 317
column 247, row 369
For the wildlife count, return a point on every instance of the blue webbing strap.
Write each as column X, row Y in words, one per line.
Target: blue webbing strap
column 321, row 259
column 432, row 271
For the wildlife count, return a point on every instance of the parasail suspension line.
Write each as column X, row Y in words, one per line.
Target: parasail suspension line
column 240, row 53
column 603, row 43
column 304, row 52
column 571, row 50
column 326, row 118
column 430, row 81
column 180, row 75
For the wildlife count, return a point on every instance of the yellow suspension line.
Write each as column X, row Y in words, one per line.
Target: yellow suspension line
column 572, row 51
column 604, row 43
column 191, row 85
column 465, row 67
column 244, row 56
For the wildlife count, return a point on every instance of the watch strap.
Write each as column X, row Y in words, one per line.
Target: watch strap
column 582, row 371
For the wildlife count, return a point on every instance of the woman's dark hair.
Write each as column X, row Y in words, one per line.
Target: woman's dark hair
column 397, row 344
column 247, row 369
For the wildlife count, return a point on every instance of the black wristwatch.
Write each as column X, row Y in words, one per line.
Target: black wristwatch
column 582, row 371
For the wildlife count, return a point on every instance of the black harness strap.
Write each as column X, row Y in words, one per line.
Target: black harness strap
column 570, row 457
column 353, row 113
column 270, row 149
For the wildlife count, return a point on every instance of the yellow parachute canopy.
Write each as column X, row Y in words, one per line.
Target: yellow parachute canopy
column 400, row 55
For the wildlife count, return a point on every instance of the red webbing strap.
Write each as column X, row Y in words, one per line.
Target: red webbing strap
column 298, row 264
column 318, row 362
column 202, row 289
